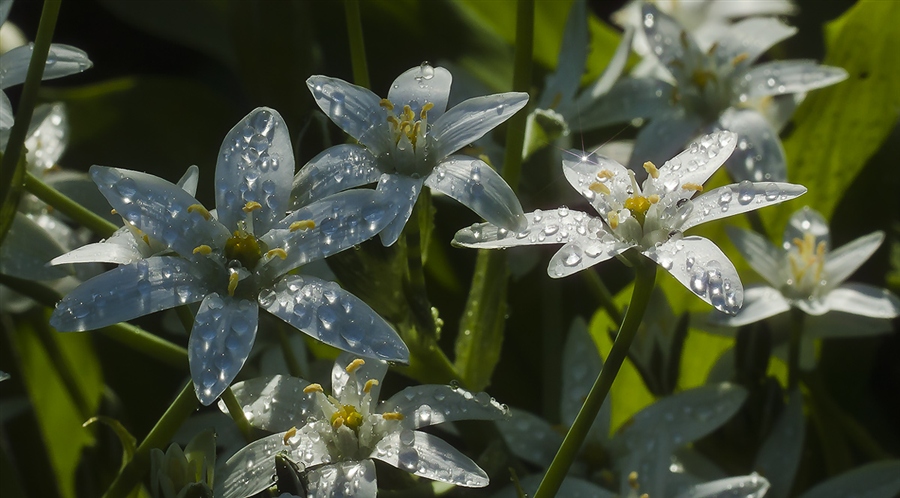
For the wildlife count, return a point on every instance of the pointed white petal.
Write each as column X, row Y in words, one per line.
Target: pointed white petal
column 62, row 60
column 695, row 165
column 430, row 457
column 746, row 8
column 759, row 155
column 335, row 169
column 103, row 252
column 433, row 404
column 605, row 82
column 48, row 136
column 421, row 84
column 343, row 479
column 629, row 98
column 127, row 292
column 530, row 437
column 349, row 388
column 703, row 268
column 763, row 257
column 334, row 316
column 543, row 227
column 875, row 480
column 739, row 198
column 583, row 171
column 752, row 486
column 273, row 403
column 472, row 119
column 581, row 365
column 354, row 109
column 561, row 85
column 220, row 343
column 845, row 260
column 188, row 181
column 669, row 42
column 27, row 250
column 401, row 192
column 792, row 76
column 865, row 300
column 477, row 186
column 250, row 470
column 584, row 252
column 6, row 118
column 5, row 7
column 159, row 209
column 750, row 38
column 760, row 302
column 666, row 135
column 779, row 456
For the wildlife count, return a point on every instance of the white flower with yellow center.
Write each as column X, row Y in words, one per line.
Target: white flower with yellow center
column 336, row 437
column 649, row 218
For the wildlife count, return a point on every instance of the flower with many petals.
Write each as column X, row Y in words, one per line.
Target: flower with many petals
column 233, row 263
column 407, row 141
column 648, row 218
column 336, row 437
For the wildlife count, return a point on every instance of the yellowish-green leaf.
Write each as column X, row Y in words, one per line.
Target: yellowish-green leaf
column 129, row 443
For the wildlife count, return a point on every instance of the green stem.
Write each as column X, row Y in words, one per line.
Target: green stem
column 357, row 45
column 602, row 293
column 70, row 208
column 237, row 414
column 416, row 293
column 515, row 133
column 12, row 166
column 64, row 368
column 797, row 317
column 180, row 409
column 643, row 287
column 288, row 352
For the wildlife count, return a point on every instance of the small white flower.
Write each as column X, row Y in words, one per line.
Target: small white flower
column 407, row 141
column 335, row 437
column 649, row 218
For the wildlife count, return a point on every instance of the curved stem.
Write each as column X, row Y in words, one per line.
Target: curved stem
column 643, row 287
column 796, row 342
column 70, row 208
column 515, row 133
column 602, row 293
column 357, row 45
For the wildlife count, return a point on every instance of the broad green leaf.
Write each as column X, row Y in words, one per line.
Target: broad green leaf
column 129, row 443
column 57, row 415
column 840, row 127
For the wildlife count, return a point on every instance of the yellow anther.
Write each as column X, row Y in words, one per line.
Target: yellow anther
column 369, row 385
column 113, row 212
column 146, row 239
column 651, row 169
column 232, row 282
column 200, row 209
column 337, row 421
column 203, row 249
column 599, row 188
column 393, row 120
column 692, row 186
column 302, row 225
column 408, row 114
column 392, row 416
column 741, row 57
column 313, row 388
column 387, row 104
column 251, row 206
column 289, row 434
column 633, row 480
column 701, row 78
column 354, row 419
column 354, row 365
column 613, row 219
column 605, row 173
column 415, row 131
column 423, row 114
column 279, row 252
column 653, row 198
column 712, row 48
column 637, row 204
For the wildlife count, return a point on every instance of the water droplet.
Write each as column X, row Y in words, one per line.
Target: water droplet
column 725, row 196
column 772, row 191
column 572, row 256
column 746, row 192
column 426, row 72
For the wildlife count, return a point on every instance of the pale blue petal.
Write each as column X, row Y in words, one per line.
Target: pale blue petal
column 628, row 99
column 189, row 179
column 561, row 85
column 119, row 251
column 427, row 405
column 739, row 198
column 429, row 457
column 760, row 302
column 421, row 84
column 543, row 227
column 695, row 164
column 747, row 8
column 127, row 292
column 530, row 437
column 791, row 76
column 703, row 269
column 6, row 118
column 250, row 470
column 664, row 136
column 582, row 174
column 48, row 136
column 752, row 486
column 355, row 109
column 806, row 221
column 274, row 403
column 334, row 316
column 256, row 164
column 343, row 480
column 62, row 60
column 159, row 209
column 472, row 119
column 27, row 250
column 863, row 299
column 759, row 155
column 220, row 342
column 875, row 480
column 581, row 364
column 5, row 6
column 750, row 38
column 779, row 456
column 669, row 42
column 477, row 186
column 763, row 257
column 350, row 388
column 845, row 260
column 335, row 169
column 584, row 252
column 605, row 82
column 402, row 192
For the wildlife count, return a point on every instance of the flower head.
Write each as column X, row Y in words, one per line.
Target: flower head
column 407, row 141
column 233, row 263
column 650, row 218
column 337, row 436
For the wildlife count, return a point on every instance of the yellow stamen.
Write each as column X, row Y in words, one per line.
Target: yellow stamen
column 232, row 282
column 633, row 480
column 423, row 114
column 313, row 388
column 279, row 252
column 289, row 434
column 113, row 212
column 651, row 169
column 200, row 209
column 354, row 419
column 741, row 57
column 302, row 225
column 394, row 121
column 692, row 186
column 369, row 385
column 203, row 249
column 337, row 421
column 408, row 114
column 637, row 204
column 146, row 239
column 251, row 206
column 354, row 365
column 613, row 219
column 653, row 198
column 392, row 416
column 599, row 188
column 387, row 104
column 607, row 174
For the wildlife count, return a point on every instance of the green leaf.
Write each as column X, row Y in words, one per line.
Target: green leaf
column 840, row 127
column 129, row 443
column 10, row 204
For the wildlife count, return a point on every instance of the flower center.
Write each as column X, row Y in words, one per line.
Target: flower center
column 807, row 260
column 347, row 415
column 244, row 248
column 405, row 127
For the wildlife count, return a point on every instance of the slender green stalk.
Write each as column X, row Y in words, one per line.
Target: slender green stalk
column 416, row 293
column 70, row 208
column 643, row 287
column 357, row 45
column 12, row 166
column 794, row 346
column 288, row 352
column 237, row 414
column 63, row 367
column 515, row 133
column 180, row 409
column 602, row 293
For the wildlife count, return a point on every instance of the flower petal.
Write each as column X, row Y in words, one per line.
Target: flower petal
column 334, row 316
column 604, row 83
column 586, row 170
column 750, row 38
column 472, row 119
column 543, row 227
column 352, row 394
column 220, row 343
column 188, row 181
column 581, row 364
column 251, row 469
column 739, row 198
column 760, row 302
column 664, row 137
column 693, row 166
column 737, row 10
column 159, row 209
column 27, row 250
column 426, row 405
column 669, row 41
column 273, row 403
column 759, row 155
column 584, row 252
column 256, row 164
column 62, row 60
column 530, row 437
column 402, row 192
column 845, row 260
column 561, row 85
column 875, row 480
column 430, row 457
column 48, row 136
column 476, row 185
column 421, row 84
column 791, row 76
column 343, row 479
column 628, row 99
column 703, row 268
column 752, row 486
column 865, row 300
column 779, row 456
column 6, row 118
column 355, row 109
column 335, row 169
column 840, row 324
column 121, row 249
column 763, row 257
column 127, row 292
